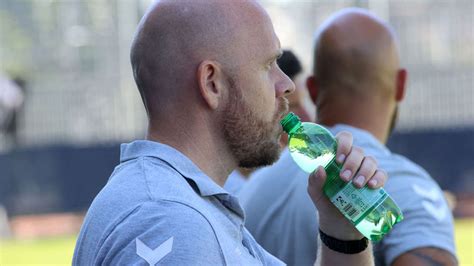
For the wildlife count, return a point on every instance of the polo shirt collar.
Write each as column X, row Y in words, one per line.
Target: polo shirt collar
column 175, row 159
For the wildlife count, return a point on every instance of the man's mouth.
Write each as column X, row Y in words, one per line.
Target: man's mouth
column 284, row 106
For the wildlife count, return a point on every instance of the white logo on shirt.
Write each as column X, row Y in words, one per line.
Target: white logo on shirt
column 434, row 206
column 153, row 256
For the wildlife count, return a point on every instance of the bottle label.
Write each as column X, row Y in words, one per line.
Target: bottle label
column 357, row 203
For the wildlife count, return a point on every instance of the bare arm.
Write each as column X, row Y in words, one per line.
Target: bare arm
column 428, row 256
column 331, row 221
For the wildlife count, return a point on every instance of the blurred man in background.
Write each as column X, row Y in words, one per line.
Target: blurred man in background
column 214, row 96
column 11, row 101
column 291, row 66
column 357, row 85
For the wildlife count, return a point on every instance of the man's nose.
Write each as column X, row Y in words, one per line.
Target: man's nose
column 285, row 87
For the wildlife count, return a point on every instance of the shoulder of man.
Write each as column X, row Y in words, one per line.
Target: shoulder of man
column 278, row 176
column 428, row 221
column 162, row 232
column 281, row 191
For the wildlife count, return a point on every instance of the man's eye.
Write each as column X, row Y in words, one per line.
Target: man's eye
column 271, row 64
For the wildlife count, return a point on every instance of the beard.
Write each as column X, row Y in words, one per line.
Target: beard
column 252, row 141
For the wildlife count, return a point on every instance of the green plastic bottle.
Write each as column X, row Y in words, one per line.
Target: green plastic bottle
column 372, row 211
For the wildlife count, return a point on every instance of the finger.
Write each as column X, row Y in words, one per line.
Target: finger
column 352, row 163
column 366, row 171
column 344, row 144
column 315, row 183
column 379, row 179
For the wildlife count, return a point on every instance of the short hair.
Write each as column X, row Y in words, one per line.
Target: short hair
column 289, row 64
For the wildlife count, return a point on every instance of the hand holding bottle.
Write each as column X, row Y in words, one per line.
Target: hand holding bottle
column 349, row 180
column 354, row 165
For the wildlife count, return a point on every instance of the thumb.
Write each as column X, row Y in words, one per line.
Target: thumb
column 315, row 184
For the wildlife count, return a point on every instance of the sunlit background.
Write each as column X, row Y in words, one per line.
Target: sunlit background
column 75, row 101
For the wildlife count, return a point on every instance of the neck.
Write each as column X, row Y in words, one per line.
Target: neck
column 374, row 118
column 198, row 142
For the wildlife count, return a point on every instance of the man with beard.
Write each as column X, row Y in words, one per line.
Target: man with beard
column 291, row 66
column 214, row 95
column 356, row 85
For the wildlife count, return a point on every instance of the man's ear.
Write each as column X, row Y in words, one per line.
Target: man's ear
column 401, row 84
column 312, row 86
column 210, row 81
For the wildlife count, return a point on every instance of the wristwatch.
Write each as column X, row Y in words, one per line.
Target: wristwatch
column 344, row 246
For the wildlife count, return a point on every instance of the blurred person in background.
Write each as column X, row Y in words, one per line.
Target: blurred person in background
column 291, row 66
column 214, row 96
column 357, row 85
column 11, row 101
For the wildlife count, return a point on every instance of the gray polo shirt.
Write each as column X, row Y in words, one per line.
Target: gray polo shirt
column 283, row 219
column 158, row 207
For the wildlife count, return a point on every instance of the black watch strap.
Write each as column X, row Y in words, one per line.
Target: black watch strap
column 344, row 246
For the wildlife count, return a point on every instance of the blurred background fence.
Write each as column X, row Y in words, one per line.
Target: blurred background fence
column 69, row 60
column 74, row 58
